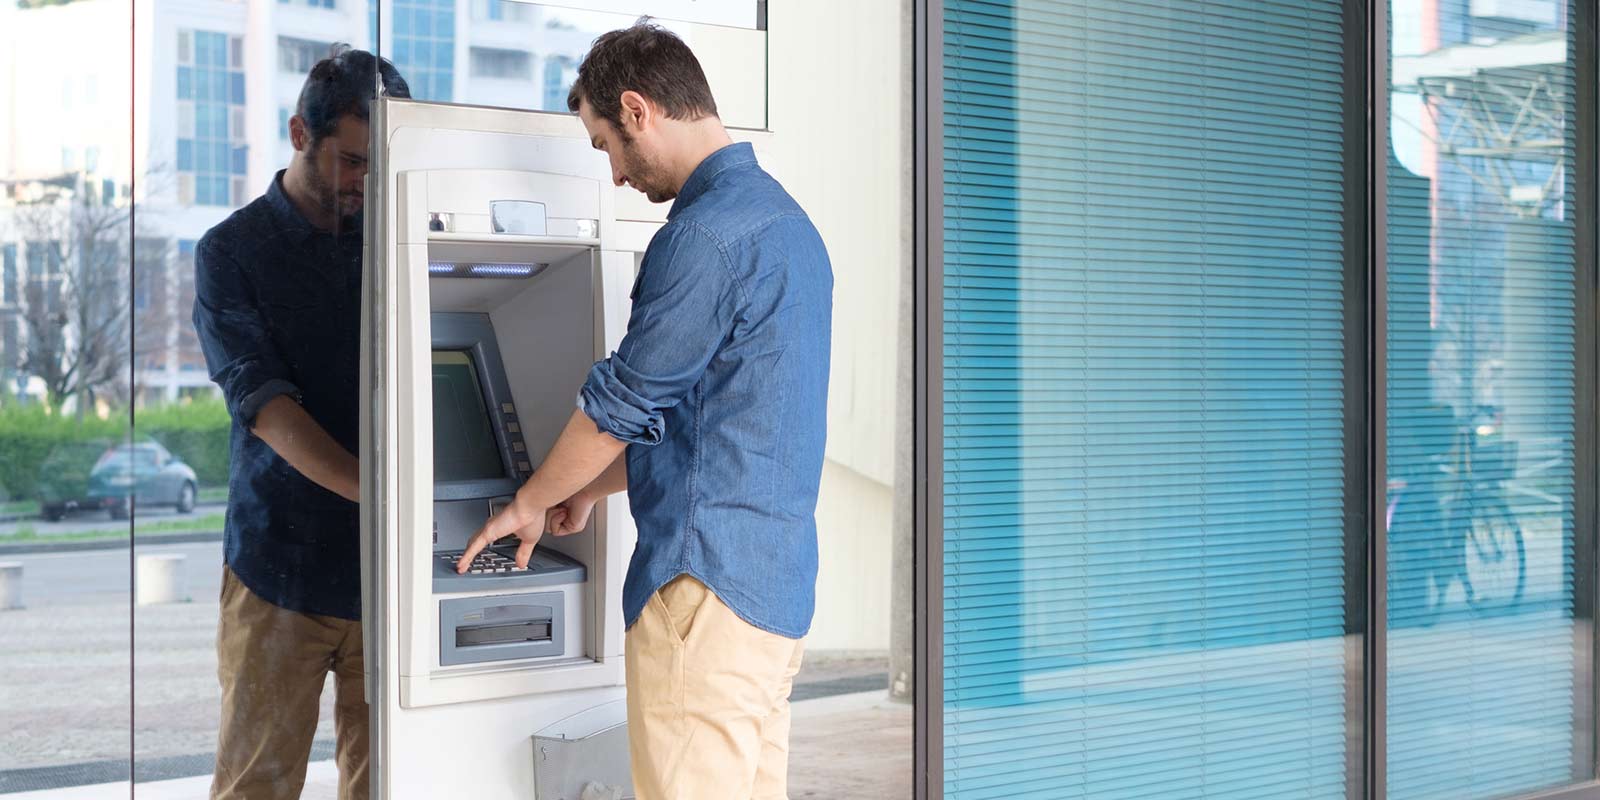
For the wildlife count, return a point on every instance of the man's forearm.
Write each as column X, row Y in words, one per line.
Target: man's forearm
column 583, row 457
column 299, row 440
column 613, row 480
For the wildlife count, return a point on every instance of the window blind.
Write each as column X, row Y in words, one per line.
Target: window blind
column 1144, row 349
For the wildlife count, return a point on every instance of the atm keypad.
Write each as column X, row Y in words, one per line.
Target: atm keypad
column 487, row 562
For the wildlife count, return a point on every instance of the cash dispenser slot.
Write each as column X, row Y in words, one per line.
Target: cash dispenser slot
column 478, row 629
column 503, row 633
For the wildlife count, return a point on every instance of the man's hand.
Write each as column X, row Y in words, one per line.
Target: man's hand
column 571, row 515
column 580, row 455
column 528, row 524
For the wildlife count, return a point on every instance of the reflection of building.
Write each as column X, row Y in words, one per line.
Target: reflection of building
column 214, row 87
column 1483, row 96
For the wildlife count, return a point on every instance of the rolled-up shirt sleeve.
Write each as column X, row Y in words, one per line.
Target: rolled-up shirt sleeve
column 240, row 355
column 684, row 308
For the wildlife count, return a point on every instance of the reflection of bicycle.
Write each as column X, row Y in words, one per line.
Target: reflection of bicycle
column 1448, row 519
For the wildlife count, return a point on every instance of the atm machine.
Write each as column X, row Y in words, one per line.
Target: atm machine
column 494, row 279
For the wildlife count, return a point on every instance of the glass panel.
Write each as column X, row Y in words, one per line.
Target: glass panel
column 207, row 159
column 1482, row 648
column 510, row 45
column 65, row 231
column 1145, row 568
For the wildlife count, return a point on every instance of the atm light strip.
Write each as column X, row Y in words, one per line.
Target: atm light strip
column 447, row 269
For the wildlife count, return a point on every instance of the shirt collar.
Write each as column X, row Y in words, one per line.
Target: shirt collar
column 291, row 221
column 733, row 155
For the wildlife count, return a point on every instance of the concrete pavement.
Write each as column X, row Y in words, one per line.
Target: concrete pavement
column 847, row 746
column 76, row 655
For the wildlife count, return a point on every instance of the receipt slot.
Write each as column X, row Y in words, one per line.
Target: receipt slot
column 495, row 277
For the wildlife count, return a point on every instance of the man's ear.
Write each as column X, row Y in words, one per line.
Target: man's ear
column 638, row 114
column 299, row 133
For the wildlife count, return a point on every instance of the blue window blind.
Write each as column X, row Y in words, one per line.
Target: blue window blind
column 1144, row 350
column 1481, row 330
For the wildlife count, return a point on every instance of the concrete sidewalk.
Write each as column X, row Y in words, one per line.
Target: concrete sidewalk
column 846, row 746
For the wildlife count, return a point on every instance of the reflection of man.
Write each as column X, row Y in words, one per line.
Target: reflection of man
column 277, row 307
column 718, row 392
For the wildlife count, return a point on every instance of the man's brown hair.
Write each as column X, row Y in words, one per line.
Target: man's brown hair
column 647, row 59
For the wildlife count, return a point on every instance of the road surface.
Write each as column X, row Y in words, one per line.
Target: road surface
column 102, row 521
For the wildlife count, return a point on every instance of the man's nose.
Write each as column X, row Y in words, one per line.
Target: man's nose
column 618, row 178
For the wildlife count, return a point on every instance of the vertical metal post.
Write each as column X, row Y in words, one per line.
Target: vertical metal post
column 1377, row 151
column 928, row 378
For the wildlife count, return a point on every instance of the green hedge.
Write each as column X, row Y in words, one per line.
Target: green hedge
column 196, row 432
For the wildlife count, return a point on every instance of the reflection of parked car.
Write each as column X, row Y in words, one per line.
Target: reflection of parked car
column 145, row 472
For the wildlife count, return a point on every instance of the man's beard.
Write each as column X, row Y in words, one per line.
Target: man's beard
column 646, row 176
column 328, row 198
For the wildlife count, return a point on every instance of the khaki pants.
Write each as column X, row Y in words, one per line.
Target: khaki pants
column 708, row 700
column 272, row 664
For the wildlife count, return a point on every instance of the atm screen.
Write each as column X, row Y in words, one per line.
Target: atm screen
column 464, row 445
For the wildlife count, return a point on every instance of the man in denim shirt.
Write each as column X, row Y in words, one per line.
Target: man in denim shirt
column 718, row 395
column 277, row 307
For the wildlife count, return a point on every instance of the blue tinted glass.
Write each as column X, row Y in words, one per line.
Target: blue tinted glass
column 185, row 83
column 1143, row 355
column 186, row 248
column 237, row 88
column 185, row 155
column 240, row 160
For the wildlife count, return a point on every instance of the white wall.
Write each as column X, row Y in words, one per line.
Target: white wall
column 839, row 145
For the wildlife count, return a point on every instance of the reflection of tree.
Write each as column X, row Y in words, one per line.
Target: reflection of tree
column 75, row 310
column 155, row 317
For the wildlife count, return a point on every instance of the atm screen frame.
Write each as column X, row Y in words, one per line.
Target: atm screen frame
column 473, row 333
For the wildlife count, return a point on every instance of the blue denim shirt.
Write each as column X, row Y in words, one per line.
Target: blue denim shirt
column 720, row 388
column 278, row 306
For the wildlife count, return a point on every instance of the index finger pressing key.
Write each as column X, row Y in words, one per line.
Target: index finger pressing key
column 474, row 547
